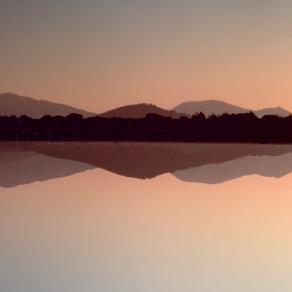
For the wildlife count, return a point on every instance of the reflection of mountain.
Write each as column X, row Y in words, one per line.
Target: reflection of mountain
column 210, row 163
column 269, row 166
column 18, row 168
column 147, row 160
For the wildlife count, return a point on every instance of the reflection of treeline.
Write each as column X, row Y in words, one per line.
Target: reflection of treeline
column 226, row 128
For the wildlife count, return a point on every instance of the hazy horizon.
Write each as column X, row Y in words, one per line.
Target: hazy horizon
column 146, row 102
column 98, row 55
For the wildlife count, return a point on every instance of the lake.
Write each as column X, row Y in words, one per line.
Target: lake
column 145, row 217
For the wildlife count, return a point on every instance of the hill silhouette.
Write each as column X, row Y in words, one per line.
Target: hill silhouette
column 278, row 111
column 217, row 107
column 139, row 111
column 208, row 107
column 13, row 104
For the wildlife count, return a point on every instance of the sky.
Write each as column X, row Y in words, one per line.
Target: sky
column 99, row 54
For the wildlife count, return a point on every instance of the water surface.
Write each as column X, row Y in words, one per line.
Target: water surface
column 206, row 218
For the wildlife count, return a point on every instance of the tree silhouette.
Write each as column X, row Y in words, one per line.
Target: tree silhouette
column 245, row 127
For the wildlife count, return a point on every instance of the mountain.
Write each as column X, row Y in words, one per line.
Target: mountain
column 12, row 104
column 208, row 107
column 218, row 107
column 139, row 111
column 279, row 111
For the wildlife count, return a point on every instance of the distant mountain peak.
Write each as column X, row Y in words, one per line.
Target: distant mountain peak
column 208, row 107
column 279, row 111
column 14, row 104
column 218, row 107
column 139, row 110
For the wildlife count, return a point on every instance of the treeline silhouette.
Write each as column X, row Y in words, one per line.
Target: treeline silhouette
column 245, row 127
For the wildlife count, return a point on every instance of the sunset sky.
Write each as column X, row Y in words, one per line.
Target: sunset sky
column 98, row 54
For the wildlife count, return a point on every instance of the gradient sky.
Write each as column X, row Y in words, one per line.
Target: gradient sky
column 98, row 54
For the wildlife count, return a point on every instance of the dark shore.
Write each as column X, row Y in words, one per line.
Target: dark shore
column 233, row 128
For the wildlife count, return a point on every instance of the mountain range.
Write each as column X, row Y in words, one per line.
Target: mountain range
column 12, row 104
column 208, row 107
column 217, row 107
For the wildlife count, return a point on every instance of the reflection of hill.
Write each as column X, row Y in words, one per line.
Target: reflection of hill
column 22, row 163
column 18, row 168
column 269, row 166
column 147, row 160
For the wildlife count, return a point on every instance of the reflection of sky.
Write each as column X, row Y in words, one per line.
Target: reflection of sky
column 105, row 53
column 96, row 231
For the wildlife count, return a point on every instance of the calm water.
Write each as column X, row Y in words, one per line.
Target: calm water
column 161, row 224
